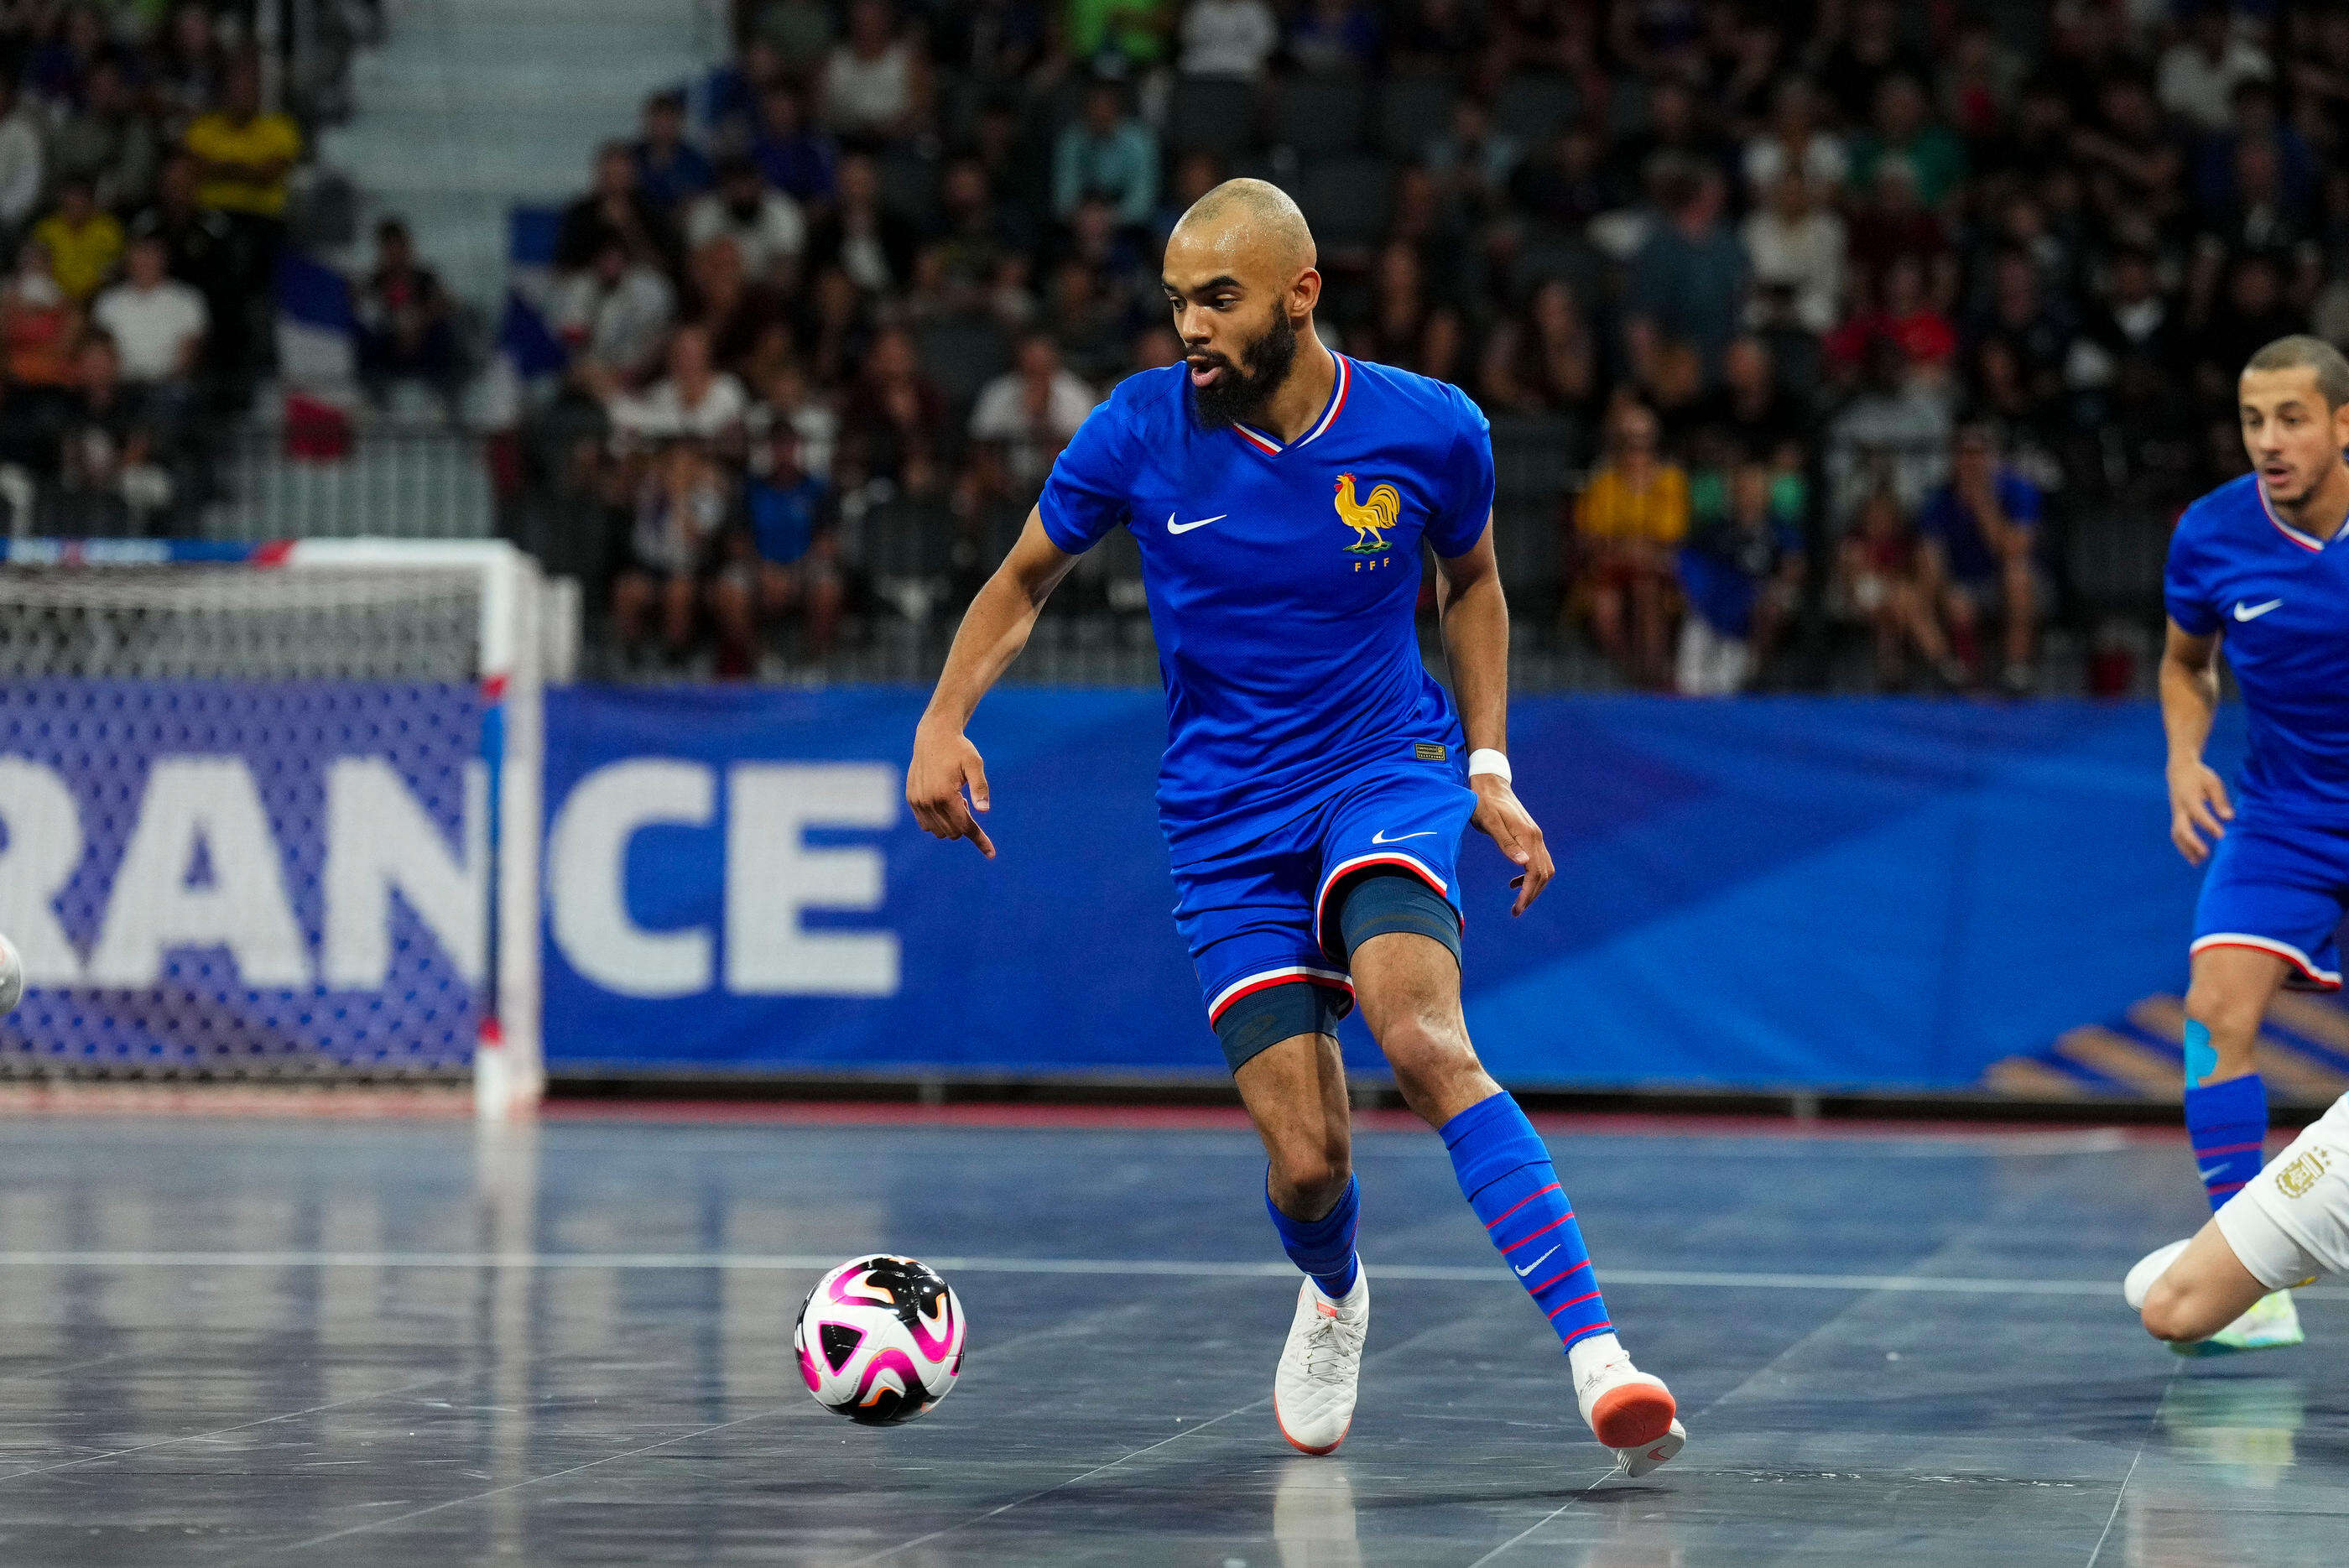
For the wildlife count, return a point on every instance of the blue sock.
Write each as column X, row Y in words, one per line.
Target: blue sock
column 1323, row 1248
column 1506, row 1173
column 2227, row 1123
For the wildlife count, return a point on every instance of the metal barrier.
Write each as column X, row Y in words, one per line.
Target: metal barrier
column 395, row 482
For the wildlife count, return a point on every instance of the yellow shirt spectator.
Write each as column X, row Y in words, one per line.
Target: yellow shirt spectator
column 245, row 161
column 1614, row 507
column 84, row 250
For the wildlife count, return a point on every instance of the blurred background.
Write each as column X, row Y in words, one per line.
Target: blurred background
column 1832, row 351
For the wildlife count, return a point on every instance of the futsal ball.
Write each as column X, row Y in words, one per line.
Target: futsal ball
column 12, row 976
column 880, row 1340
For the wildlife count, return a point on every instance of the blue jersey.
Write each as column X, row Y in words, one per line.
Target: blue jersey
column 2280, row 600
column 1283, row 582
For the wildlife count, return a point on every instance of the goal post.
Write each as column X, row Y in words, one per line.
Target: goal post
column 270, row 812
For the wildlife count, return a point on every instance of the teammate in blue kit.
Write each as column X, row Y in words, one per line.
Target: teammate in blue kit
column 2262, row 563
column 1312, row 794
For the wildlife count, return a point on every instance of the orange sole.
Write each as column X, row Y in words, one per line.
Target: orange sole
column 1302, row 1448
column 1633, row 1415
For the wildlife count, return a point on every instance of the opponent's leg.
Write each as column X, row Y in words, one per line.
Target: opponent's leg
column 2200, row 1289
column 1407, row 984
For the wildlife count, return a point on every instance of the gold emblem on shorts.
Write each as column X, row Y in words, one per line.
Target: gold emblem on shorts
column 2297, row 1178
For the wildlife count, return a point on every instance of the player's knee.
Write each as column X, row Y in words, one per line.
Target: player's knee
column 2170, row 1313
column 1309, row 1176
column 2231, row 1016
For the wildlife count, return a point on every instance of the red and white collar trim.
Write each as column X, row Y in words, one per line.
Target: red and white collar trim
column 1272, row 448
column 2309, row 542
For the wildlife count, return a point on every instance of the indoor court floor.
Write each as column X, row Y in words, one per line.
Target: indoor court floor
column 406, row 1342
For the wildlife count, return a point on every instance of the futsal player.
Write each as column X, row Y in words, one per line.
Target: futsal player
column 2260, row 565
column 1312, row 792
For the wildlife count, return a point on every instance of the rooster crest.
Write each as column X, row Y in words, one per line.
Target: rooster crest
column 1371, row 517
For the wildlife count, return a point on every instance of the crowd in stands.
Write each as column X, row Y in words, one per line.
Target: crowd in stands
column 143, row 192
column 1821, row 324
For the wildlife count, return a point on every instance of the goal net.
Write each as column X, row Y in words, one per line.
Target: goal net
column 267, row 812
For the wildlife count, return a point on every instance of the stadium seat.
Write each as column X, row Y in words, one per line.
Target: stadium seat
column 1345, row 200
column 1412, row 110
column 1532, row 456
column 907, row 548
column 1320, row 117
column 1212, row 115
column 1532, row 108
column 2115, row 560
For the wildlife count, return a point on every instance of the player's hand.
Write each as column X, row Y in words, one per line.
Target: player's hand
column 2198, row 808
column 946, row 763
column 1504, row 819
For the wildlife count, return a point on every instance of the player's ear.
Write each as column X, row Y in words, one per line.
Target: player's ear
column 1306, row 292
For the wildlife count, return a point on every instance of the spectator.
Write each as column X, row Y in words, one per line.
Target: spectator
column 244, row 154
column 786, row 400
column 2200, row 71
column 21, row 159
column 203, row 252
column 1797, row 249
column 39, row 323
column 110, row 480
column 186, row 66
column 1876, row 585
column 156, row 322
column 614, row 317
column 617, row 208
column 84, row 240
column 1893, row 433
column 1334, row 38
column 1120, row 36
column 1739, row 573
column 1977, row 533
column 1107, row 153
column 861, row 236
column 889, row 429
column 696, row 401
column 765, row 224
column 1627, row 522
column 1904, row 316
column 406, row 324
column 1472, row 162
column 785, row 558
column 1870, row 50
column 681, row 505
column 1023, row 420
column 739, row 313
column 796, row 158
column 1750, row 418
column 876, row 85
column 1903, row 127
column 1688, row 281
column 1546, row 363
column 1794, row 142
column 670, row 170
column 107, row 143
column 1228, row 39
column 1565, row 181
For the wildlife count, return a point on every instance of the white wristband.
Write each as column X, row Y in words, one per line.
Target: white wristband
column 1485, row 760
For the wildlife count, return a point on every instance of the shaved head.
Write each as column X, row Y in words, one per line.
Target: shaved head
column 1251, row 220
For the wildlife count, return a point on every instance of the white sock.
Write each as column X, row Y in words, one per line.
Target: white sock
column 1588, row 1354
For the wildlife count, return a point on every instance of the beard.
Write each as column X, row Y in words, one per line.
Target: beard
column 1243, row 389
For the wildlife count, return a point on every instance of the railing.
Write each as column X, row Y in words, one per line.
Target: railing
column 398, row 482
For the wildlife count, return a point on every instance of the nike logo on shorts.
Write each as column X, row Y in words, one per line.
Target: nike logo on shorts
column 1175, row 527
column 1536, row 1264
column 2253, row 612
column 1380, row 837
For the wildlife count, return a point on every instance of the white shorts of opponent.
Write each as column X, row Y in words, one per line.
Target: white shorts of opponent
column 2293, row 1219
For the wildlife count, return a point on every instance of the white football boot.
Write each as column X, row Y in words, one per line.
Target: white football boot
column 1629, row 1410
column 1313, row 1390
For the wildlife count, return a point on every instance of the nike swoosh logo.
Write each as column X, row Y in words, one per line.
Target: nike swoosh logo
column 1380, row 837
column 1536, row 1264
column 1175, row 527
column 2207, row 1172
column 2253, row 612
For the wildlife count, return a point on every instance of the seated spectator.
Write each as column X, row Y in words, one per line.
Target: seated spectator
column 1977, row 534
column 84, row 240
column 861, row 236
column 1565, row 181
column 2200, row 71
column 156, row 323
column 1797, row 249
column 186, row 64
column 731, row 92
column 614, row 317
column 1894, row 431
column 1689, row 279
column 738, row 312
column 1471, row 160
column 22, row 159
column 1903, row 127
column 1795, row 144
column 1023, row 420
column 1876, row 585
column 696, row 400
column 1892, row 223
column 244, row 154
column 889, row 428
column 796, row 158
column 1749, row 416
column 1334, row 38
column 1903, row 314
column 681, row 506
column 876, row 84
column 107, row 143
column 406, row 324
column 617, row 208
column 1627, row 522
column 1740, row 574
column 1109, row 153
column 110, row 480
column 1546, row 363
column 765, row 224
column 1234, row 39
column 39, row 323
column 785, row 400
column 784, row 559
column 670, row 170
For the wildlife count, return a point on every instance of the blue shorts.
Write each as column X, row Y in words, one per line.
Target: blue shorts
column 2282, row 888
column 1260, row 916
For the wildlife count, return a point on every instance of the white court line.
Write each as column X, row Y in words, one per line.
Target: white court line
column 1172, row 1268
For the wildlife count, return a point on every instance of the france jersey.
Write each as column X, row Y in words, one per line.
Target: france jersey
column 2279, row 599
column 1283, row 582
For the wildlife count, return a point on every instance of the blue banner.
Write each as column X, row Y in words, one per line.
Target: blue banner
column 1763, row 892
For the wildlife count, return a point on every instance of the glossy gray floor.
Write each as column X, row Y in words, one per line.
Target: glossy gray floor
column 400, row 1344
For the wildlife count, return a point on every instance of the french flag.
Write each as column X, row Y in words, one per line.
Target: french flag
column 317, row 355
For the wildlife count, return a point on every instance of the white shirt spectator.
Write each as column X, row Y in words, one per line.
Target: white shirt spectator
column 813, row 423
column 1822, row 159
column 662, row 411
column 20, row 167
column 865, row 96
column 151, row 327
column 2201, row 90
column 775, row 232
column 620, row 327
column 1228, row 39
column 1030, row 440
column 1805, row 257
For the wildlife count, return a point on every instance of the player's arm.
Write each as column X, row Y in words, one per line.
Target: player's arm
column 1477, row 638
column 993, row 631
column 2199, row 807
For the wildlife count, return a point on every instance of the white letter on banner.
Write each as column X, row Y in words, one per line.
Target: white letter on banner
column 44, row 829
column 379, row 839
column 587, row 869
column 208, row 802
column 771, row 875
